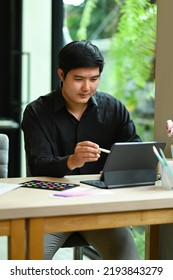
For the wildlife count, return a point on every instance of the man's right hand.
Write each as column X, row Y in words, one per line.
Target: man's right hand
column 85, row 151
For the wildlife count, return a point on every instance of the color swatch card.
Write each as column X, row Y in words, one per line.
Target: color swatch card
column 48, row 185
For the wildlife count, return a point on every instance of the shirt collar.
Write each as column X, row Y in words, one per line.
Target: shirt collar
column 93, row 100
column 60, row 102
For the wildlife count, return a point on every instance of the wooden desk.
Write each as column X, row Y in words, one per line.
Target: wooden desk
column 149, row 205
column 15, row 230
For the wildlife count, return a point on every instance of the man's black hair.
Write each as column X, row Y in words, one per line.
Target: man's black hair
column 80, row 54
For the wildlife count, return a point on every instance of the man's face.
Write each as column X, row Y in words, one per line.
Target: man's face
column 79, row 84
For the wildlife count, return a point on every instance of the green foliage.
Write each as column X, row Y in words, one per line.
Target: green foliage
column 139, row 237
column 86, row 18
column 91, row 20
column 133, row 49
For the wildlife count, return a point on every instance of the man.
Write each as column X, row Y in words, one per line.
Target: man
column 64, row 130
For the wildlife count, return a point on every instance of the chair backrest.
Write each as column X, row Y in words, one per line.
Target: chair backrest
column 4, row 155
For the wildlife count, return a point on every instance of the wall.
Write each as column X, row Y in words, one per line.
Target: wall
column 36, row 41
column 164, row 72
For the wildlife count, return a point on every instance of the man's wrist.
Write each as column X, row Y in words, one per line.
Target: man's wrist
column 70, row 163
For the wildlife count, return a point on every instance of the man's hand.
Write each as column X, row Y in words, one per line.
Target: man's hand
column 85, row 151
column 169, row 128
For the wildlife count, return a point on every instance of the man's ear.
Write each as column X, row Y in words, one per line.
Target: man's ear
column 60, row 73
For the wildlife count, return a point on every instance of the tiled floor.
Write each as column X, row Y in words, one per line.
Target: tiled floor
column 62, row 254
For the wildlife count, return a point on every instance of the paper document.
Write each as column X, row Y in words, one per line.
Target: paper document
column 4, row 188
column 80, row 192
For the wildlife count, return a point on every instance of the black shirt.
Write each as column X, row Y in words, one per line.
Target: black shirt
column 51, row 132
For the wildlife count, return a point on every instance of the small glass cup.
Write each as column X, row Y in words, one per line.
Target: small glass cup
column 166, row 178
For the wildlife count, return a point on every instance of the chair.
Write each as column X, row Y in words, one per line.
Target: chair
column 4, row 155
column 81, row 247
column 79, row 243
column 75, row 240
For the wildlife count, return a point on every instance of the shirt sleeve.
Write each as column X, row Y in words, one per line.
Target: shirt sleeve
column 38, row 146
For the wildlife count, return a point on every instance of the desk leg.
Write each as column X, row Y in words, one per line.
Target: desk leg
column 152, row 242
column 35, row 238
column 17, row 240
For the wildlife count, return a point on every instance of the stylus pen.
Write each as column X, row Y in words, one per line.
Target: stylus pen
column 104, row 150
